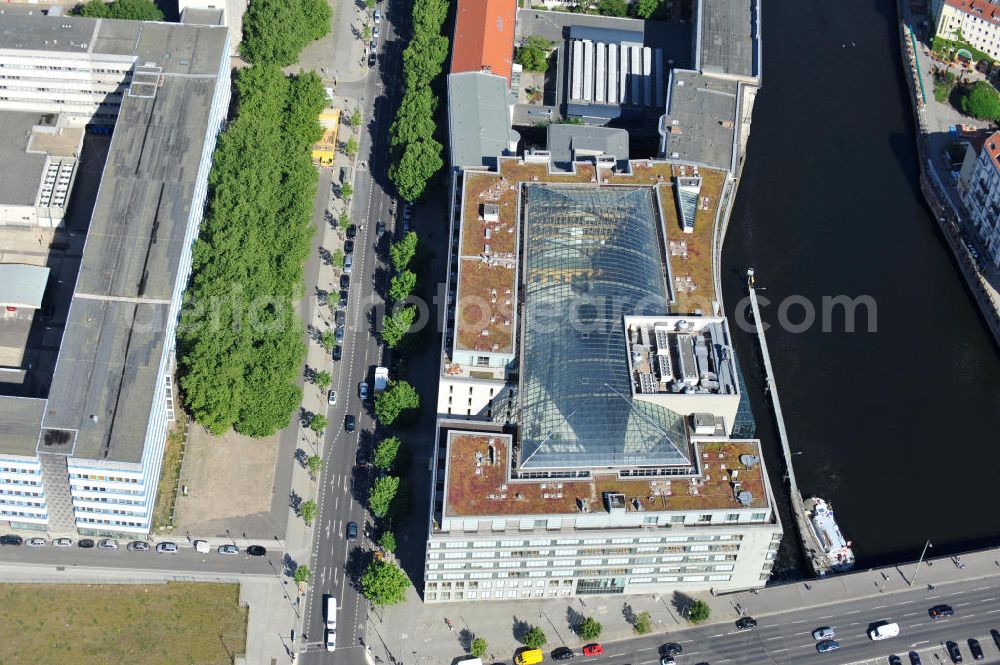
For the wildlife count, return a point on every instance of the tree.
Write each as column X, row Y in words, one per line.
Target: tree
column 276, row 31
column 343, row 221
column 315, row 464
column 346, row 190
column 420, row 161
column 135, row 10
column 385, row 453
column 534, row 638
column 395, row 399
column 590, row 629
column 645, row 9
column 366, row 32
column 478, row 647
column 317, row 423
column 93, row 9
column 387, row 542
column 382, row 493
column 302, row 575
column 355, row 119
column 337, row 258
column 322, row 379
column 397, row 325
column 401, row 285
column 370, row 4
column 533, row 54
column 384, row 583
column 351, row 147
column 328, row 340
column 698, row 612
column 401, row 252
column 612, row 8
column 982, row 101
column 307, row 511
column 643, row 623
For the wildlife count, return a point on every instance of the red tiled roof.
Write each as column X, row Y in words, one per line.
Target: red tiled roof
column 992, row 148
column 484, row 37
column 977, row 8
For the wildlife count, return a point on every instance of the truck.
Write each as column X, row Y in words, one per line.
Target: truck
column 381, row 378
column 883, row 630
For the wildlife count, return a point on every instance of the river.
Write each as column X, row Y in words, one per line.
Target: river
column 899, row 428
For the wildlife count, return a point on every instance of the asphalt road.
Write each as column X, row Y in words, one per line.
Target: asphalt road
column 786, row 638
column 344, row 484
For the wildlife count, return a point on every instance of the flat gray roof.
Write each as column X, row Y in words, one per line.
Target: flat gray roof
column 22, row 285
column 195, row 16
column 109, row 359
column 729, row 37
column 22, row 171
column 20, row 418
column 564, row 139
column 478, row 119
column 701, row 121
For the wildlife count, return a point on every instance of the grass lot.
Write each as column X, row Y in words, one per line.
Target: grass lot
column 169, row 624
column 166, row 493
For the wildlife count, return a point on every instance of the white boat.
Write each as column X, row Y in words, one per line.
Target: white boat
column 836, row 549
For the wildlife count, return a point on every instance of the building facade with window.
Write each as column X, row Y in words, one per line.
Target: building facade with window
column 980, row 192
column 974, row 22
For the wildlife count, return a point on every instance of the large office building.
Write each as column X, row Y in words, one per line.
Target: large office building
column 85, row 390
column 979, row 187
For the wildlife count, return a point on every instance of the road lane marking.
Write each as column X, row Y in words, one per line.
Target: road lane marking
column 916, row 644
column 992, row 611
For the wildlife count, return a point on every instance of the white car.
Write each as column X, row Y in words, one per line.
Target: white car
column 228, row 549
column 331, row 397
column 108, row 544
column 331, row 640
column 62, row 542
column 167, row 548
column 377, row 16
column 35, row 542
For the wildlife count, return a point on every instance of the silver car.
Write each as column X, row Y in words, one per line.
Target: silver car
column 229, row 549
column 35, row 542
column 108, row 544
column 62, row 542
column 823, row 633
column 138, row 546
column 167, row 548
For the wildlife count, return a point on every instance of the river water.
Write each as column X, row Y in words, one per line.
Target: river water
column 899, row 428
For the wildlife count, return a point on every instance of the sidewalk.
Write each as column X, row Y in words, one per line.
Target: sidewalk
column 419, row 634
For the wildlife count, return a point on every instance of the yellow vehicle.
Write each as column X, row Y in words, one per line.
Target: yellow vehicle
column 529, row 657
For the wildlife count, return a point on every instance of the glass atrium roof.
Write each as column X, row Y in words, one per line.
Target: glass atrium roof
column 592, row 255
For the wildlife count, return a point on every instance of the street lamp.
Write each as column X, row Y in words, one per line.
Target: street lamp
column 919, row 561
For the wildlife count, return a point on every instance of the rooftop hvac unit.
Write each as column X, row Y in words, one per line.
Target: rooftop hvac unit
column 745, row 498
column 749, row 461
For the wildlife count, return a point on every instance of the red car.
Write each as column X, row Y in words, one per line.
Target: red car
column 593, row 650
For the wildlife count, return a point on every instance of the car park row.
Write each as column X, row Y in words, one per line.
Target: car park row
column 165, row 547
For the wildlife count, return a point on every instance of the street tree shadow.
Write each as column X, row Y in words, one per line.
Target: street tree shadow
column 294, row 500
column 465, row 637
column 519, row 629
column 574, row 619
column 357, row 561
column 681, row 602
column 629, row 614
column 302, row 457
column 288, row 565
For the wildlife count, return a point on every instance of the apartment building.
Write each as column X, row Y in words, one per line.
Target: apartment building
column 980, row 192
column 975, row 22
column 86, row 402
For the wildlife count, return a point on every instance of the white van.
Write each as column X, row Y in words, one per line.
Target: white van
column 202, row 546
column 883, row 631
column 331, row 613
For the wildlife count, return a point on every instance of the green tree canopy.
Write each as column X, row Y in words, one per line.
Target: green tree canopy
column 402, row 251
column 384, row 583
column 645, row 9
column 328, row 340
column 612, row 7
column 590, row 629
column 307, row 511
column 698, row 612
column 315, row 464
column 982, row 101
column 395, row 399
column 322, row 379
column 395, row 326
column 533, row 54
column 346, row 190
column 382, row 493
column 135, row 10
column 318, row 423
column 478, row 647
column 355, row 119
column 387, row 542
column 534, row 638
column 420, row 161
column 302, row 575
column 643, row 623
column 276, row 31
column 402, row 285
column 385, row 453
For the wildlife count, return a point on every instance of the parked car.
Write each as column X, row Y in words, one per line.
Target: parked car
column 202, row 546
column 671, row 649
column 337, row 353
column 380, row 229
column 35, row 542
column 342, row 303
column 562, row 653
column 668, row 660
column 915, row 658
column 941, row 611
column 228, row 549
column 363, row 390
column 976, row 649
column 361, row 457
column 167, row 548
column 372, row 59
column 107, row 544
column 331, row 397
column 895, row 660
column 138, row 546
column 746, row 623
column 349, row 423
column 377, row 16
column 352, row 530
column 348, row 247
column 953, row 651
column 995, row 634
column 338, row 334
column 345, row 281
column 340, row 317
column 593, row 650
column 257, row 550
column 85, row 543
column 11, row 539
column 375, row 32
column 826, row 646
column 62, row 542
column 823, row 633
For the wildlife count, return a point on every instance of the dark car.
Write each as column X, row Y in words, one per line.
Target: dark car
column 361, row 457
column 352, row 530
column 257, row 550
column 352, row 231
column 995, row 634
column 338, row 334
column 826, row 646
column 11, row 539
column 85, row 543
column 746, row 623
column 345, row 281
column 941, row 611
column 915, row 658
column 348, row 247
column 953, row 651
column 671, row 649
column 340, row 317
column 895, row 660
column 380, row 229
column 372, row 59
column 343, row 299
column 976, row 649
column 349, row 423
column 337, row 353
column 562, row 653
